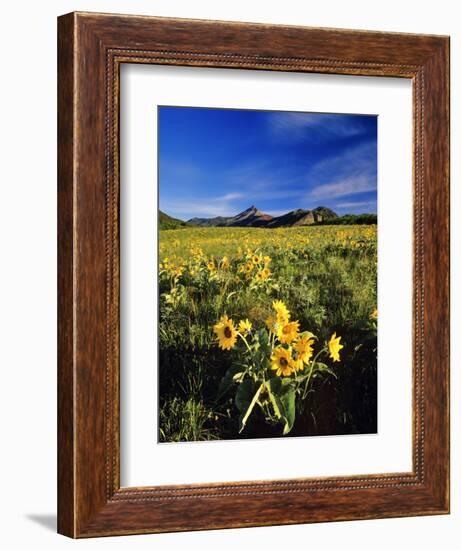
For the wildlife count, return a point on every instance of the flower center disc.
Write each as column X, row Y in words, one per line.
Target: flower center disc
column 227, row 332
column 283, row 362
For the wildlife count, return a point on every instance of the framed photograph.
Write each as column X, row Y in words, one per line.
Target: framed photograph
column 253, row 275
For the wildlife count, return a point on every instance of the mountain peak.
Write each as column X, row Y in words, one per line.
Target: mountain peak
column 253, row 217
column 250, row 216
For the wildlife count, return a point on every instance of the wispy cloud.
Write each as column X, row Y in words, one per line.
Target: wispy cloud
column 353, row 160
column 349, row 186
column 206, row 208
column 357, row 204
column 315, row 127
column 350, row 173
column 232, row 196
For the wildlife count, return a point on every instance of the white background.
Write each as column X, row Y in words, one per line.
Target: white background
column 28, row 272
column 143, row 460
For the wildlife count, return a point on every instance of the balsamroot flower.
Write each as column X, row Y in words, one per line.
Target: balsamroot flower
column 245, row 326
column 289, row 332
column 303, row 347
column 225, row 333
column 282, row 362
column 334, row 346
column 281, row 310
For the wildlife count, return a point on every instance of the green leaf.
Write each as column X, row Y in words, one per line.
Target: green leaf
column 321, row 367
column 263, row 338
column 282, row 395
column 288, row 398
column 250, row 408
column 230, row 295
column 228, row 380
column 274, row 399
column 244, row 394
column 274, row 385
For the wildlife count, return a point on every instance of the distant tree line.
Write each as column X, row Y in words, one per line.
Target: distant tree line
column 351, row 219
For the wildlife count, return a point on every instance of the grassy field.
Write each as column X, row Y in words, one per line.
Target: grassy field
column 326, row 276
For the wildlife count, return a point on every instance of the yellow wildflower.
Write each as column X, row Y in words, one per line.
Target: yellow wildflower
column 334, row 346
column 177, row 271
column 304, row 347
column 298, row 364
column 245, row 326
column 272, row 324
column 225, row 333
column 281, row 310
column 248, row 267
column 289, row 332
column 266, row 273
column 282, row 362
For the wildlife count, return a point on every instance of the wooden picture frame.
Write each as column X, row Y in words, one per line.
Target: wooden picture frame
column 91, row 49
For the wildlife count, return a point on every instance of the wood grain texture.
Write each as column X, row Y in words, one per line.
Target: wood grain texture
column 91, row 49
column 66, row 487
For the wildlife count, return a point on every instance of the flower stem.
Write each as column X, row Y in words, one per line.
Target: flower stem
column 245, row 341
column 310, row 373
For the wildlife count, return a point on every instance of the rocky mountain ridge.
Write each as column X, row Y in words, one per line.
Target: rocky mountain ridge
column 253, row 217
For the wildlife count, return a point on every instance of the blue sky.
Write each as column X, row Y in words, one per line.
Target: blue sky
column 218, row 162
